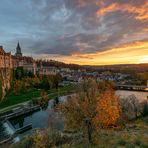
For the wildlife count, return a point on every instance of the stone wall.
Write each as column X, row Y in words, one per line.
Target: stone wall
column 5, row 81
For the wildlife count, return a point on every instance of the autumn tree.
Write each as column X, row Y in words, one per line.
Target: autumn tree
column 17, row 86
column 108, row 109
column 105, row 85
column 143, row 77
column 44, row 98
column 90, row 108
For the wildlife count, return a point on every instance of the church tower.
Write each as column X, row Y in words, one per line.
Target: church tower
column 18, row 51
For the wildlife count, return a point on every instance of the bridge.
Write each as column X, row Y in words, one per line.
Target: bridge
column 132, row 87
column 20, row 112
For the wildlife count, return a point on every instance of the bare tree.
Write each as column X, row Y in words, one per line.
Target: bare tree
column 130, row 107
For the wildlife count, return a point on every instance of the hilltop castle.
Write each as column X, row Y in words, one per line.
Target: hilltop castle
column 18, row 60
column 8, row 62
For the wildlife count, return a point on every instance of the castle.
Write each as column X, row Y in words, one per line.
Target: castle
column 18, row 60
column 8, row 62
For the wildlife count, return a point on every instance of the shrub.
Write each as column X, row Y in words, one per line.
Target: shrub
column 121, row 142
column 130, row 107
column 35, row 101
column 130, row 145
column 27, row 142
column 145, row 110
column 138, row 142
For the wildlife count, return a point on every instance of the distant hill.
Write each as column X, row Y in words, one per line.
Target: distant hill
column 52, row 63
column 115, row 68
column 121, row 67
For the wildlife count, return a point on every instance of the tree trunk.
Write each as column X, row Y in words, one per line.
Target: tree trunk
column 89, row 132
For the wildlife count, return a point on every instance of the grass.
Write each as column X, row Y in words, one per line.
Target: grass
column 12, row 99
column 136, row 136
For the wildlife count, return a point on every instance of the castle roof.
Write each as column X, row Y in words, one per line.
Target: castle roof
column 18, row 46
column 2, row 52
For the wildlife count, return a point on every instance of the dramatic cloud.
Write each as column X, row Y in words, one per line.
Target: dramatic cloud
column 79, row 29
column 140, row 12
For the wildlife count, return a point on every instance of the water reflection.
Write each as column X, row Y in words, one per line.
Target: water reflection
column 3, row 133
column 44, row 118
column 19, row 122
column 141, row 96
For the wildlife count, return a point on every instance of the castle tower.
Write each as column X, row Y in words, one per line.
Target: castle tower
column 18, row 51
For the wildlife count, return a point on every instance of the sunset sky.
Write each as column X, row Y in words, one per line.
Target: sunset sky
column 86, row 32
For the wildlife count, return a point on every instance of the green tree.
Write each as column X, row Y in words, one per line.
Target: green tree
column 56, row 80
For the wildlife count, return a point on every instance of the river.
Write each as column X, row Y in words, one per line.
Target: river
column 141, row 96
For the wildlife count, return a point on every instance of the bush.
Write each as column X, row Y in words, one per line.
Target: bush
column 138, row 142
column 144, row 146
column 27, row 142
column 130, row 145
column 145, row 110
column 121, row 142
column 35, row 101
column 130, row 107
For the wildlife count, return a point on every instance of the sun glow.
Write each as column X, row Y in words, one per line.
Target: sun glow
column 144, row 59
column 133, row 53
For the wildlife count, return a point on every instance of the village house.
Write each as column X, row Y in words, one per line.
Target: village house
column 45, row 70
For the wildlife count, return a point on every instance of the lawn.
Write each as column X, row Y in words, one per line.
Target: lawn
column 12, row 99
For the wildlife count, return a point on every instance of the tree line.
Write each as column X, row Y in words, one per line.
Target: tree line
column 24, row 80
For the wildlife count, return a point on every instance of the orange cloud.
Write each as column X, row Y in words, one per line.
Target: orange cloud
column 141, row 12
column 111, row 8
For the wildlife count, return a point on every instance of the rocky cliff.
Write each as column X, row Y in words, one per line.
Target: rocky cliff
column 5, row 81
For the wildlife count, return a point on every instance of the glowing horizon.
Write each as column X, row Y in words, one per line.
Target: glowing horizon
column 134, row 53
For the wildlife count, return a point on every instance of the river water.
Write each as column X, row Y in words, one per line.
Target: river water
column 141, row 96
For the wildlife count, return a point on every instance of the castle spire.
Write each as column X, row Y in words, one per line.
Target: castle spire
column 18, row 50
column 18, row 45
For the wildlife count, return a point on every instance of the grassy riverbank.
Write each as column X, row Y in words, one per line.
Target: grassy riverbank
column 12, row 99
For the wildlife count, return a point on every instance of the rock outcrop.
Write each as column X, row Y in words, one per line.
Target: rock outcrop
column 5, row 81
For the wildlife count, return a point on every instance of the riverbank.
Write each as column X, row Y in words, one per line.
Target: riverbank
column 13, row 101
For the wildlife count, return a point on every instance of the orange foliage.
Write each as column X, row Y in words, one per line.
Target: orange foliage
column 108, row 110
